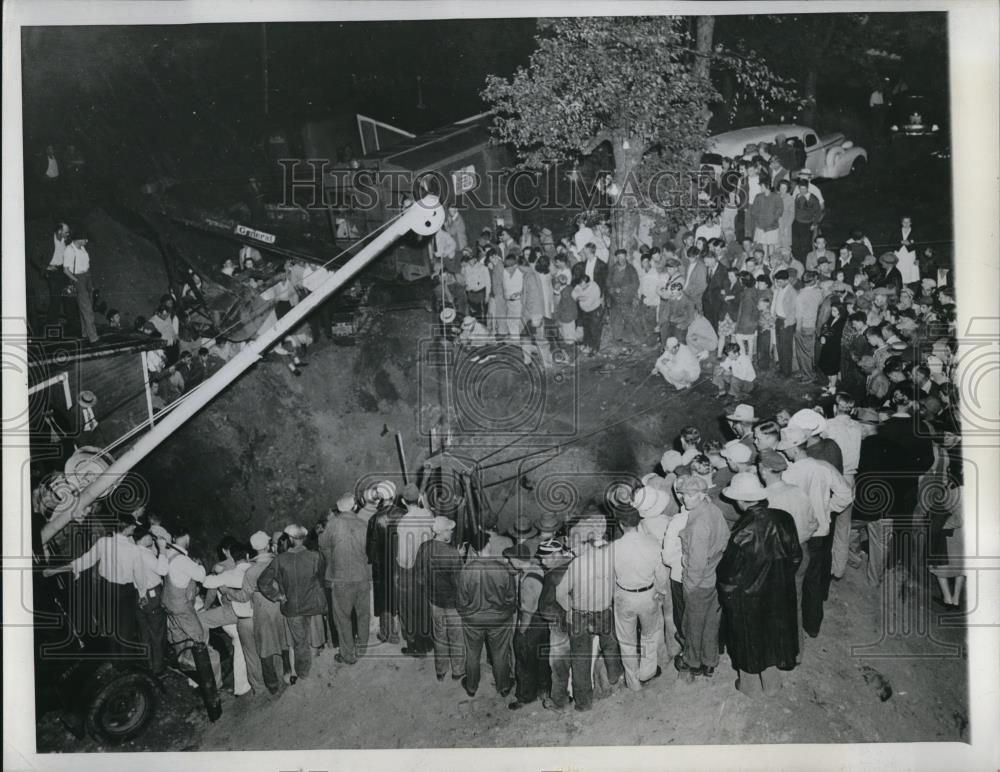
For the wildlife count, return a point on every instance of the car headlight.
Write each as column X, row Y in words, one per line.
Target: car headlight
column 934, row 127
column 894, row 127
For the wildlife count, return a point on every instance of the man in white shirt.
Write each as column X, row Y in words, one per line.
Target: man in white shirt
column 114, row 556
column 150, row 567
column 181, row 588
column 76, row 267
column 583, row 236
column 846, row 432
column 51, row 164
column 54, row 276
column 477, row 285
column 651, row 281
column 236, row 620
column 513, row 290
column 829, row 494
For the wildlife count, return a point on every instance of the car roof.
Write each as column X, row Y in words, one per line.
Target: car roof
column 731, row 143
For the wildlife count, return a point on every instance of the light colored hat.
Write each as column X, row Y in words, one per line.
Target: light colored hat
column 691, row 484
column 671, row 460
column 649, row 501
column 745, row 486
column 809, row 421
column 653, row 480
column 447, row 315
column 296, row 531
column 550, row 547
column 888, row 258
column 549, row 521
column 792, row 437
column 671, row 342
column 867, row 415
column 888, row 291
column 87, row 398
column 522, row 530
column 346, row 502
column 469, row 321
column 160, row 532
column 442, row 524
column 743, row 413
column 737, row 452
column 928, row 283
column 260, row 540
column 381, row 491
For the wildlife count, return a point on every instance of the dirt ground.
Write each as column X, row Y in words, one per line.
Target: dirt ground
column 275, row 449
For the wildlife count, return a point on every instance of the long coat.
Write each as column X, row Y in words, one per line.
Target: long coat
column 756, row 580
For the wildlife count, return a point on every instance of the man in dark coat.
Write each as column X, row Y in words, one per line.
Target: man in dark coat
column 756, row 580
column 381, row 545
column 623, row 298
column 714, row 298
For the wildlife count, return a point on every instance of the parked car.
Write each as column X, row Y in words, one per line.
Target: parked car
column 915, row 115
column 95, row 691
column 828, row 156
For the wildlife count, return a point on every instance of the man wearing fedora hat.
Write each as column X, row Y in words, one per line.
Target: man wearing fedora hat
column 76, row 267
column 742, row 421
column 343, row 542
column 828, row 493
column 555, row 560
column 546, row 528
column 756, row 579
column 889, row 276
column 87, row 426
column 531, row 633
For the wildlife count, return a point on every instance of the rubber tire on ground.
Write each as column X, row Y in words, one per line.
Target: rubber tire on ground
column 139, row 687
column 859, row 166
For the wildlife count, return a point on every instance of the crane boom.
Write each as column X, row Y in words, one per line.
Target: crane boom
column 424, row 217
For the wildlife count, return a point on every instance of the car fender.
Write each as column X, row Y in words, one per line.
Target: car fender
column 845, row 161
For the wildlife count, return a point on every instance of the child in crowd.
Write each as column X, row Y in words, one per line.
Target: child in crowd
column 734, row 375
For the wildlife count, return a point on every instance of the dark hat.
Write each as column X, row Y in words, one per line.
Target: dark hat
column 522, row 530
column 782, row 274
column 411, row 492
column 549, row 547
column 773, row 460
column 866, row 415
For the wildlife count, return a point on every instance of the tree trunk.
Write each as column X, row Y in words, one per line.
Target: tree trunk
column 625, row 206
column 809, row 95
column 704, row 35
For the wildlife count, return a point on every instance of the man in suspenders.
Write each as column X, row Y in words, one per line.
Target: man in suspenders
column 531, row 636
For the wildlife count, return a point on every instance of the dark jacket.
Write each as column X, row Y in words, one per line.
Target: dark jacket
column 756, row 580
column 436, row 567
column 889, row 469
column 623, row 285
column 713, row 300
column 548, row 606
column 298, row 575
column 487, row 590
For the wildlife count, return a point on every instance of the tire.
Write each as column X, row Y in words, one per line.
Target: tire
column 859, row 166
column 122, row 708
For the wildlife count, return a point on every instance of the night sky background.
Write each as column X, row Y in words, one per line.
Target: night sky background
column 179, row 101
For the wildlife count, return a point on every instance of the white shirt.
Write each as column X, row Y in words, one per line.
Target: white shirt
column 76, row 259
column 513, row 284
column 547, row 300
column 182, row 570
column 650, row 284
column 477, row 277
column 148, row 569
column 114, row 556
column 583, row 237
column 672, row 551
column 846, row 432
column 313, row 276
column 58, row 250
column 249, row 252
column 232, row 577
column 165, row 327
column 741, row 367
column 826, row 488
column 444, row 244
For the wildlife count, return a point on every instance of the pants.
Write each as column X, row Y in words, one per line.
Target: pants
column 677, row 610
column 559, row 664
column 498, row 634
column 647, row 316
column 842, row 537
column 85, row 301
column 802, row 239
column 225, row 617
column 152, row 620
column 117, row 616
column 583, row 626
column 747, row 342
column 593, row 324
column 729, row 383
column 254, row 666
column 816, row 582
column 513, row 321
column 800, row 575
column 531, row 662
column 477, row 304
column 348, row 597
column 300, row 628
column 702, row 617
column 413, row 611
column 567, row 332
column 56, row 281
column 805, row 344
column 623, row 320
column 449, row 641
column 536, row 329
column 638, row 610
column 767, row 681
column 786, row 334
column 879, row 534
column 388, row 626
column 668, row 330
column 668, row 642
column 763, row 363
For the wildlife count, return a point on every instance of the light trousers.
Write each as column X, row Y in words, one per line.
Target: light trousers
column 639, row 627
